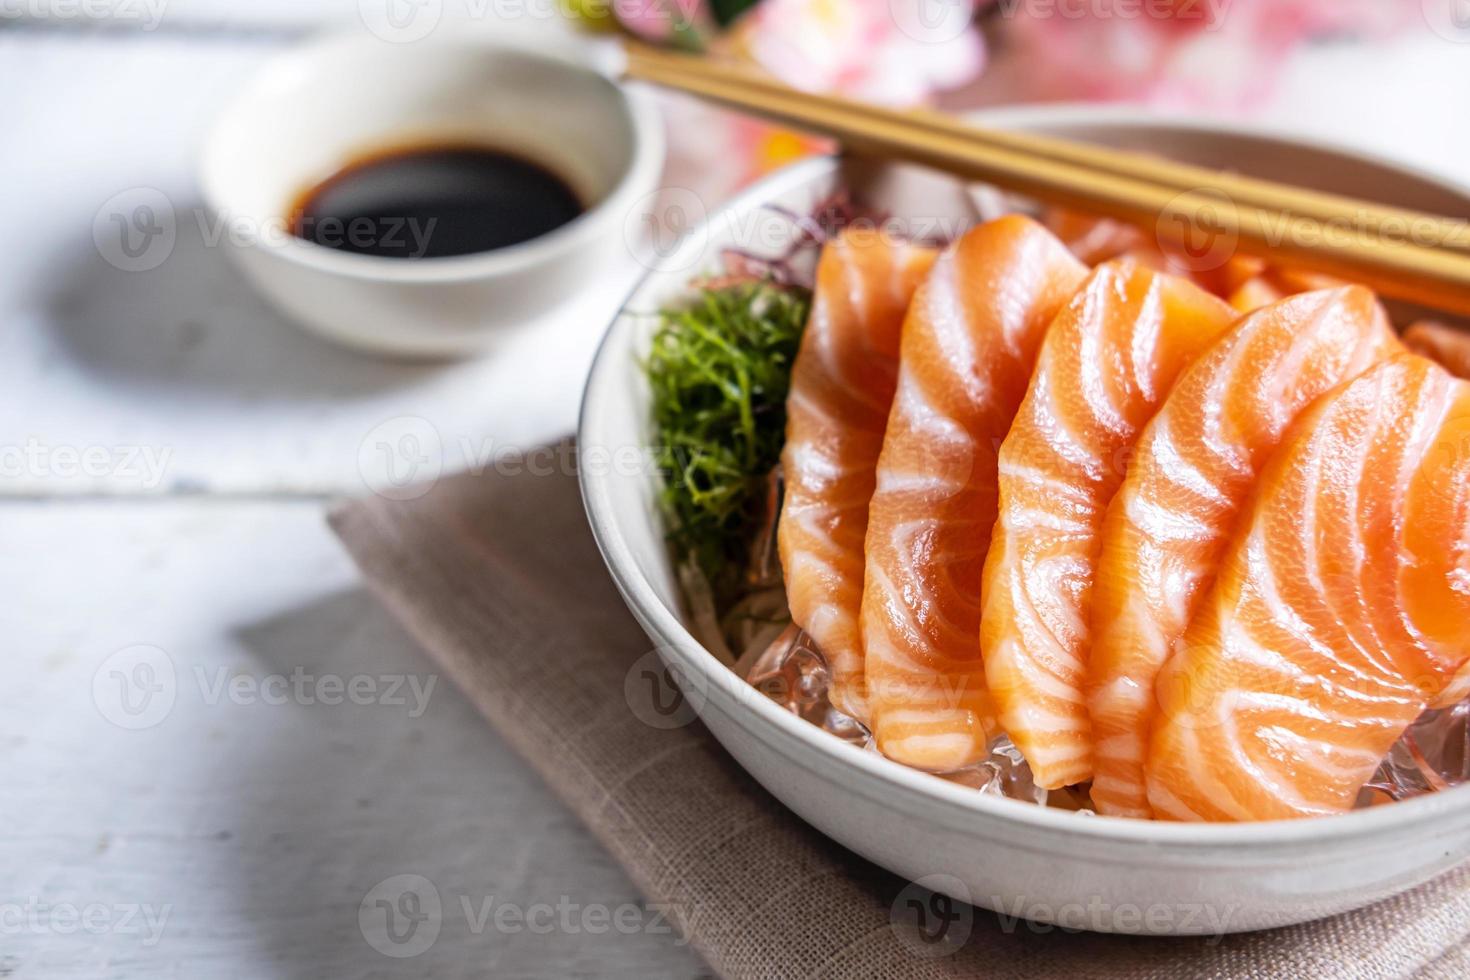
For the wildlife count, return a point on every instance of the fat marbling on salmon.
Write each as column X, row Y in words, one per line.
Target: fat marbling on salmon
column 1188, row 480
column 966, row 354
column 1105, row 366
column 841, row 388
column 1341, row 610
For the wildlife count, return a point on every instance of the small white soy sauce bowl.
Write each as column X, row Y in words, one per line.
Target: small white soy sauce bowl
column 322, row 107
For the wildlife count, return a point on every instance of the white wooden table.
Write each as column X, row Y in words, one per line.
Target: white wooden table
column 235, row 834
column 168, row 445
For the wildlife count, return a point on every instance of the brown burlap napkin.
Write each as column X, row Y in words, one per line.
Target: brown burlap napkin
column 498, row 577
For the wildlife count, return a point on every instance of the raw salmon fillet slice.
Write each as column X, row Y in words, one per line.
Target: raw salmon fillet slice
column 1092, row 238
column 1187, row 482
column 1438, row 342
column 1341, row 611
column 1105, row 365
column 1247, row 282
column 1450, row 348
column 1254, row 293
column 1271, row 284
column 1095, row 239
column 841, row 388
column 968, row 347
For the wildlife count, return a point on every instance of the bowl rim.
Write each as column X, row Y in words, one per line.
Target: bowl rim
column 962, row 805
column 640, row 116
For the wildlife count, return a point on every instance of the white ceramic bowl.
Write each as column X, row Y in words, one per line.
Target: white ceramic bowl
column 1102, row 873
column 317, row 107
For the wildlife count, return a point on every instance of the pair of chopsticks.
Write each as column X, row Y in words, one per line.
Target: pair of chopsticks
column 1409, row 255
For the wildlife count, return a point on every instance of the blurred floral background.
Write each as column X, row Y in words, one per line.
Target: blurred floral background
column 1219, row 56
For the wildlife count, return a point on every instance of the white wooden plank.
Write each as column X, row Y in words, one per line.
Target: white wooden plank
column 250, row 829
column 184, row 361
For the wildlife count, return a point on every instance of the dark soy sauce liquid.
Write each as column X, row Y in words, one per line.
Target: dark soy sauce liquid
column 432, row 202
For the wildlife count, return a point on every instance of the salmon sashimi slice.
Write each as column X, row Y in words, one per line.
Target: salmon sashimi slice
column 968, row 347
column 1457, row 691
column 1095, row 239
column 1187, row 482
column 1341, row 610
column 1438, row 342
column 1291, row 279
column 1271, row 284
column 1090, row 237
column 841, row 388
column 1230, row 275
column 1450, row 348
column 1106, row 364
column 1247, row 282
column 1254, row 293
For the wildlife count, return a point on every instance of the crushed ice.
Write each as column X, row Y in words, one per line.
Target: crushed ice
column 792, row 672
column 757, row 639
column 1432, row 755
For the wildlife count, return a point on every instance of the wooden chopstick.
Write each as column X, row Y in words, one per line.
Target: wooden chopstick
column 1377, row 218
column 1265, row 222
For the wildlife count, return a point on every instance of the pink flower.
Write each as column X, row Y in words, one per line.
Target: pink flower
column 896, row 52
column 1184, row 52
column 890, row 51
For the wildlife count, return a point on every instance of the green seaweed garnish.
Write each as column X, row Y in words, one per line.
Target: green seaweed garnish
column 719, row 371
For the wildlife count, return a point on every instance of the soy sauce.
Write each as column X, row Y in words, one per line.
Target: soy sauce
column 432, row 202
